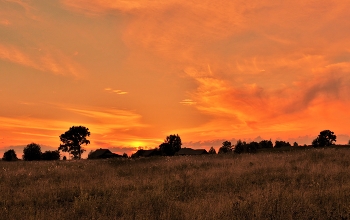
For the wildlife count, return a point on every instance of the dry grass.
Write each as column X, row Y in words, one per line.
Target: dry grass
column 310, row 184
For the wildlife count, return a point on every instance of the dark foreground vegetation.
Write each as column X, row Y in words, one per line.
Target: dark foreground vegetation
column 303, row 184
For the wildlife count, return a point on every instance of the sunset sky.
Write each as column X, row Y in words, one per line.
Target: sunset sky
column 135, row 71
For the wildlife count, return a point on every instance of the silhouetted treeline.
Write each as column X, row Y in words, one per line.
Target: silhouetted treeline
column 170, row 147
column 32, row 152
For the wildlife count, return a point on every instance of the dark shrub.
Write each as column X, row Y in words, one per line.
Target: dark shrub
column 225, row 148
column 212, row 151
column 32, row 152
column 10, row 155
column 51, row 155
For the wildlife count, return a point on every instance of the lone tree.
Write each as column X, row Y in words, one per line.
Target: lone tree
column 171, row 145
column 73, row 139
column 226, row 147
column 10, row 155
column 32, row 152
column 325, row 138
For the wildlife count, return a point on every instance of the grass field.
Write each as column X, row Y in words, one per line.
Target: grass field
column 308, row 184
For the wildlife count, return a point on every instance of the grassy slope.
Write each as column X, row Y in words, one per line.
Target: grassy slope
column 310, row 184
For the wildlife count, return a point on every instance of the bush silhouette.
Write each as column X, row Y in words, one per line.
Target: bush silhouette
column 32, row 152
column 212, row 151
column 50, row 155
column 226, row 147
column 252, row 147
column 10, row 155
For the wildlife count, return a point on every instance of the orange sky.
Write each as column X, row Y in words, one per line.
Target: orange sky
column 136, row 71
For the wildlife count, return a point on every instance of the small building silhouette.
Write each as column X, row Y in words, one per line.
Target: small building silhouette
column 190, row 151
column 146, row 153
column 102, row 154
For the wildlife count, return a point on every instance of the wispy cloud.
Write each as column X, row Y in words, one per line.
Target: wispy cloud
column 117, row 91
column 30, row 12
column 108, row 118
column 31, row 123
column 188, row 102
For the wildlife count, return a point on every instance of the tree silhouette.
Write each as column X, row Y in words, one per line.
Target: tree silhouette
column 266, row 144
column 32, row 152
column 10, row 155
column 279, row 144
column 240, row 147
column 225, row 148
column 325, row 138
column 50, row 155
column 171, row 145
column 252, row 147
column 73, row 139
column 212, row 151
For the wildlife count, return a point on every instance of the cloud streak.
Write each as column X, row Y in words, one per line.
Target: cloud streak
column 117, row 91
column 44, row 61
column 111, row 126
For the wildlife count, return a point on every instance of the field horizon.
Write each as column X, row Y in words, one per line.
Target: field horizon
column 307, row 184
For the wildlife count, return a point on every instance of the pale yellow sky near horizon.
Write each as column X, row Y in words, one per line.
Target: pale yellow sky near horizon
column 136, row 71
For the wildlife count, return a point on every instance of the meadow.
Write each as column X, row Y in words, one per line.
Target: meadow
column 305, row 184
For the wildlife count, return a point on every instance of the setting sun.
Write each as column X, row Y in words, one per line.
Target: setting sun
column 137, row 144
